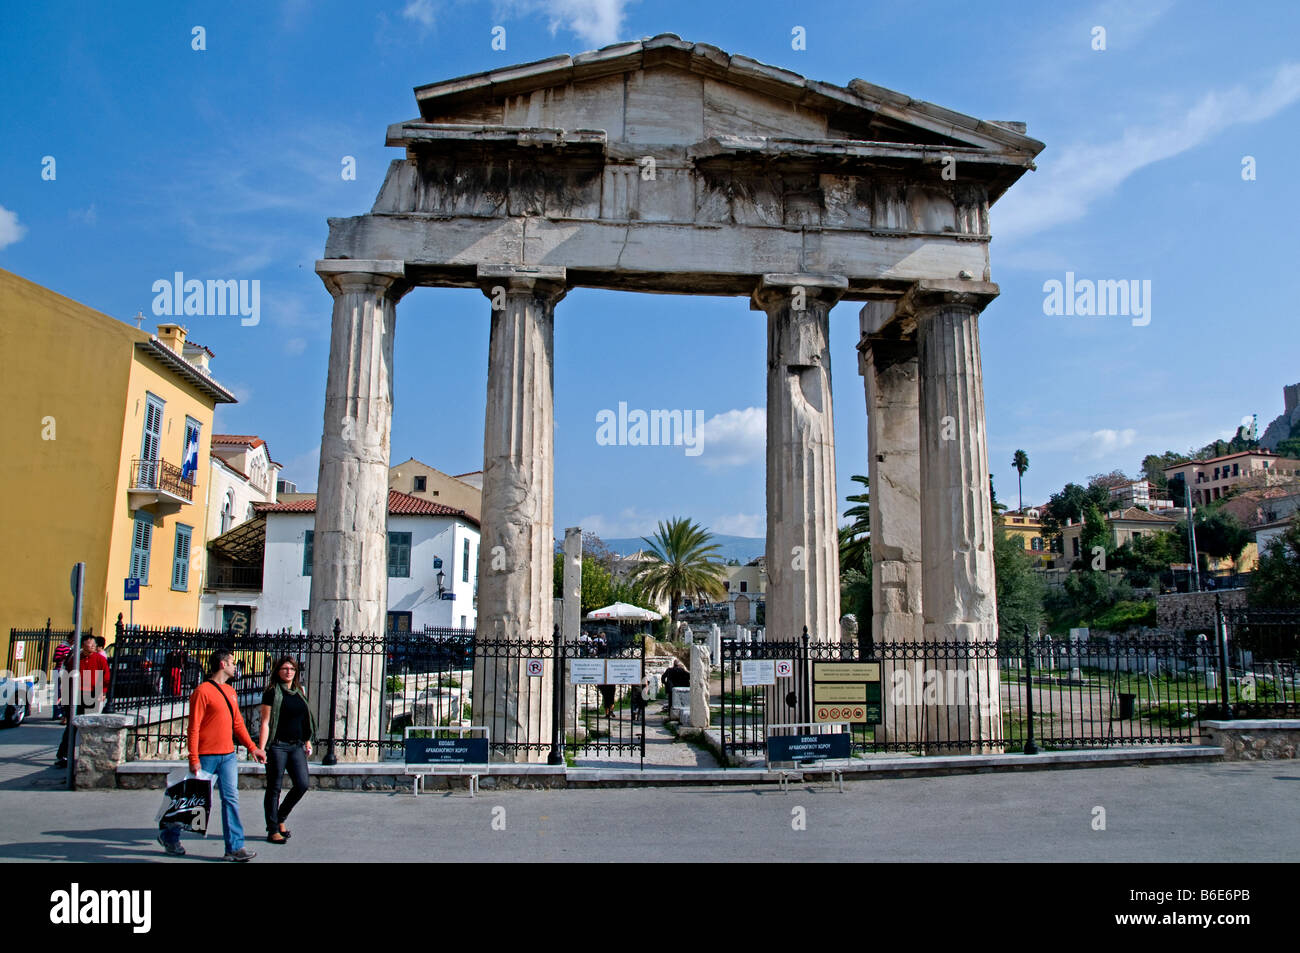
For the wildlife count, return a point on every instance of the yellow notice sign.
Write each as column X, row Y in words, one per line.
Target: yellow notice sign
column 846, row 671
column 831, row 692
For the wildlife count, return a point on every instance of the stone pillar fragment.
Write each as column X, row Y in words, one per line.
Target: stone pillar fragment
column 802, row 555
column 350, row 541
column 888, row 364
column 959, row 598
column 571, row 627
column 518, row 538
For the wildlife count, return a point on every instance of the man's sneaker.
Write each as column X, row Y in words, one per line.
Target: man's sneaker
column 242, row 856
column 171, row 848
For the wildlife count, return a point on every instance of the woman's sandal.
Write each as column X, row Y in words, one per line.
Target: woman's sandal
column 271, row 838
column 285, row 834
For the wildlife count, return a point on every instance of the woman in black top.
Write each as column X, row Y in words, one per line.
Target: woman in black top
column 290, row 724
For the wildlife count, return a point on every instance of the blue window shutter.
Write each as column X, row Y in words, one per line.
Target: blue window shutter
column 141, row 540
column 308, row 541
column 181, row 559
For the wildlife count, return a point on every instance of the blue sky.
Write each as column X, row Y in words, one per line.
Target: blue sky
column 225, row 163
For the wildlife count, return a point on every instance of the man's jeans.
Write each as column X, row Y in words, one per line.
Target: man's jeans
column 226, row 769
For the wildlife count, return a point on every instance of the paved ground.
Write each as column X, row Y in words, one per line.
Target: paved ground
column 1214, row 812
column 662, row 749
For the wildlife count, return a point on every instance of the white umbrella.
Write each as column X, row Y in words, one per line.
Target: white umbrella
column 621, row 611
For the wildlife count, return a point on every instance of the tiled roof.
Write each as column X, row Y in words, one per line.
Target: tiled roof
column 1231, row 456
column 399, row 504
column 238, row 440
column 1142, row 516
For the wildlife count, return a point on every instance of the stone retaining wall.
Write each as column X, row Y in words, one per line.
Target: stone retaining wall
column 1257, row 740
column 1194, row 610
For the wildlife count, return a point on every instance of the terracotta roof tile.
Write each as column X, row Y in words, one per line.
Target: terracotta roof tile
column 399, row 504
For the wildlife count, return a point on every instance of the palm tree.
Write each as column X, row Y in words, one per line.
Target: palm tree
column 1021, row 462
column 855, row 538
column 680, row 562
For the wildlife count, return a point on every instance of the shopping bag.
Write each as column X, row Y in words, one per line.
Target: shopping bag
column 187, row 802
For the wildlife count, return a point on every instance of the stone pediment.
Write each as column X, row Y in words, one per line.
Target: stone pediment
column 665, row 92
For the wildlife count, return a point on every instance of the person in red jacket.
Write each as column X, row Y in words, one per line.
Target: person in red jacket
column 216, row 726
column 93, row 669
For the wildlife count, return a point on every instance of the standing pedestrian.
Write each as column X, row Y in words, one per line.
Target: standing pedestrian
column 94, row 686
column 290, row 724
column 58, row 665
column 216, row 727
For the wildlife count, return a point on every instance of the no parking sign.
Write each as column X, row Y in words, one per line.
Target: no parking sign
column 784, row 668
column 535, row 667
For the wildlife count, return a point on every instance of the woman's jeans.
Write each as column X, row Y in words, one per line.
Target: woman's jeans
column 281, row 756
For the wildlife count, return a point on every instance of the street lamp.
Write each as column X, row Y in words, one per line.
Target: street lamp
column 442, row 577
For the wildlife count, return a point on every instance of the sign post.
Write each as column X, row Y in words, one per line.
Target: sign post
column 131, row 593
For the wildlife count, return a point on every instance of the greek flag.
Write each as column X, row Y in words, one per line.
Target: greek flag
column 190, row 465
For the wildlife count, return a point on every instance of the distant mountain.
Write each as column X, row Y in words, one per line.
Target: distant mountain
column 742, row 548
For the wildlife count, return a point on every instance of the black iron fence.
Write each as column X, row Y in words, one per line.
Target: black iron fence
column 369, row 688
column 32, row 650
column 1022, row 694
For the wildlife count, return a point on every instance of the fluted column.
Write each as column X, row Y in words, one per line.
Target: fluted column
column 350, row 547
column 518, row 539
column 888, row 363
column 959, row 598
column 803, row 556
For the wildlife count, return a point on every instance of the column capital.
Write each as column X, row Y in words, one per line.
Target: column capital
column 341, row 275
column 931, row 294
column 775, row 288
column 543, row 281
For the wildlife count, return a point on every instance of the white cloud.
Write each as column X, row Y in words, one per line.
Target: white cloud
column 597, row 22
column 629, row 522
column 740, row 524
column 86, row 215
column 1078, row 175
column 734, row 438
column 10, row 230
column 295, row 346
column 1105, row 442
column 421, row 11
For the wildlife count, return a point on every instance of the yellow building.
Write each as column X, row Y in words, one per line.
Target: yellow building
column 1027, row 527
column 98, row 417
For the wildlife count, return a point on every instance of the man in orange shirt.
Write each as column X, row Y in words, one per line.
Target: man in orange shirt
column 215, row 727
column 93, row 669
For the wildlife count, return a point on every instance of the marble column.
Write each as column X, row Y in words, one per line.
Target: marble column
column 571, row 626
column 959, row 598
column 802, row 556
column 888, row 364
column 516, row 556
column 350, row 544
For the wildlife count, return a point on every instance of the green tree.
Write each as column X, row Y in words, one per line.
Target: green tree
column 1095, row 533
column 1220, row 534
column 1085, row 597
column 1070, row 503
column 1153, row 467
column 681, row 563
column 1290, row 447
column 1020, row 462
column 855, row 538
column 597, row 583
column 1275, row 583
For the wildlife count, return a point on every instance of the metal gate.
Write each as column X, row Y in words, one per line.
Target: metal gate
column 600, row 719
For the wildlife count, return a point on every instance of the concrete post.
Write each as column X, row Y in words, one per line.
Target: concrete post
column 959, row 598
column 889, row 369
column 350, row 546
column 518, row 539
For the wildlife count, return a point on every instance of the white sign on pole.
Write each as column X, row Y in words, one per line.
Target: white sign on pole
column 758, row 672
column 623, row 671
column 587, row 671
column 19, row 648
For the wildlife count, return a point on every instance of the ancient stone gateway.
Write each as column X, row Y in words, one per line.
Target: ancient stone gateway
column 672, row 167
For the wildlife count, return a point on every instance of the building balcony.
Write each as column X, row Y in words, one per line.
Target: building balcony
column 158, row 483
column 245, row 578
